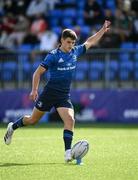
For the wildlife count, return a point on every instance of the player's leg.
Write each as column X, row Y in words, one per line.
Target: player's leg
column 23, row 121
column 67, row 115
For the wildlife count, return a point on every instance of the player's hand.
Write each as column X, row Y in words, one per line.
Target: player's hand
column 33, row 95
column 106, row 26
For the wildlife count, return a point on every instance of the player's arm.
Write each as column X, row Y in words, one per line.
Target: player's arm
column 35, row 82
column 93, row 40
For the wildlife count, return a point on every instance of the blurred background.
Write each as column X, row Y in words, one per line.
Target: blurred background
column 105, row 86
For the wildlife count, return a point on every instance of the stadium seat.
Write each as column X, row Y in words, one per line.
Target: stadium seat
column 136, row 75
column 100, row 2
column 57, row 30
column 113, row 69
column 136, row 70
column 83, row 65
column 54, row 22
column 85, row 30
column 96, row 70
column 126, row 70
column 125, row 56
column 25, row 47
column 67, row 22
column 9, row 71
column 70, row 12
column 82, row 70
column 80, row 75
column 81, row 4
column 80, row 14
column 80, row 21
column 56, row 13
column 127, row 45
column 136, row 53
column 68, row 1
column 0, row 71
column 26, row 70
column 111, row 4
column 94, row 75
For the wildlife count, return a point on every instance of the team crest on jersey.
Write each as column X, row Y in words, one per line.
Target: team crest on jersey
column 60, row 60
column 74, row 57
column 39, row 103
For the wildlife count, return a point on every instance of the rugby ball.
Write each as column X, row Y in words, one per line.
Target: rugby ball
column 80, row 149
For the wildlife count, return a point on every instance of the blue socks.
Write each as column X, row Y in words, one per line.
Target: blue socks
column 18, row 123
column 67, row 136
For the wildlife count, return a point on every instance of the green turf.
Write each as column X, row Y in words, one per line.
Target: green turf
column 37, row 154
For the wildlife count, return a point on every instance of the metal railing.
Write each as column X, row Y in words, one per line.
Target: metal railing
column 98, row 68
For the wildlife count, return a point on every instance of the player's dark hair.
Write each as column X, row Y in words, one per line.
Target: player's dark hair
column 68, row 33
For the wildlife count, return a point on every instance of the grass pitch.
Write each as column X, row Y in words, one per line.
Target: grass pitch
column 38, row 153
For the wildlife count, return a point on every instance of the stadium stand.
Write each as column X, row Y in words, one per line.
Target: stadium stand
column 59, row 14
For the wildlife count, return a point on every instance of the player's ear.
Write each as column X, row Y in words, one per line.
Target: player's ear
column 62, row 40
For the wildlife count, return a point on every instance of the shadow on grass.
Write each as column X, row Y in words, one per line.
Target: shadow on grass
column 34, row 164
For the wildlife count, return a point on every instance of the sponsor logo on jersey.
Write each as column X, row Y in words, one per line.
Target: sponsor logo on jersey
column 60, row 60
column 66, row 68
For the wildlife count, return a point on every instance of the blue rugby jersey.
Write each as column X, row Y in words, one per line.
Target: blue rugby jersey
column 62, row 67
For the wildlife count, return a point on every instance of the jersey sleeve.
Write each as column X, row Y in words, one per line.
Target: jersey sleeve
column 48, row 61
column 80, row 50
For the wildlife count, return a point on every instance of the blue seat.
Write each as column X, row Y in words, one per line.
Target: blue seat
column 56, row 13
column 136, row 74
column 27, row 70
column 136, row 70
column 80, row 75
column 136, row 53
column 97, row 64
column 54, row 22
column 9, row 71
column 81, row 4
column 80, row 13
column 100, row 2
column 125, row 56
column 67, row 22
column 80, row 21
column 0, row 71
column 97, row 68
column 24, row 51
column 68, row 1
column 126, row 70
column 25, row 47
column 136, row 56
column 83, row 65
column 85, row 30
column 111, row 4
column 95, row 75
column 82, row 70
column 127, row 45
column 127, row 65
column 57, row 29
column 113, row 69
column 70, row 12
column 113, row 65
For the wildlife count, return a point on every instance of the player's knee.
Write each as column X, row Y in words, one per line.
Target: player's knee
column 71, row 120
column 30, row 120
